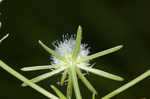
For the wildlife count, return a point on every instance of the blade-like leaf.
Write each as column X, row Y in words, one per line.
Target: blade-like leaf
column 50, row 51
column 128, row 85
column 58, row 92
column 86, row 82
column 33, row 68
column 24, row 79
column 64, row 77
column 102, row 53
column 44, row 76
column 101, row 73
column 78, row 42
column 4, row 38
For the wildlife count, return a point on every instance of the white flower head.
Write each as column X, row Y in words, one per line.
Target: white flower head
column 66, row 48
column 70, row 57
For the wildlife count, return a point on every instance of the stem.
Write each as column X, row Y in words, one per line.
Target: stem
column 69, row 87
column 75, row 82
column 24, row 79
column 128, row 85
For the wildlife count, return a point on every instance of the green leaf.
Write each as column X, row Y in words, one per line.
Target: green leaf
column 4, row 38
column 50, row 51
column 58, row 92
column 102, row 53
column 44, row 76
column 86, row 82
column 101, row 73
column 64, row 76
column 78, row 42
column 128, row 85
column 33, row 68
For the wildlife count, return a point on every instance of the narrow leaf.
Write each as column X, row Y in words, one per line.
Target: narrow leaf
column 78, row 42
column 86, row 82
column 44, row 76
column 101, row 73
column 50, row 51
column 58, row 92
column 128, row 85
column 64, row 77
column 33, row 68
column 102, row 53
column 4, row 38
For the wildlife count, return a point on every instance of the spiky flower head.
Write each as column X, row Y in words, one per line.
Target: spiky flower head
column 70, row 57
column 66, row 48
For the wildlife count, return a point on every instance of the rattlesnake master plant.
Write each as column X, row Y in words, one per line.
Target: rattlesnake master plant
column 70, row 57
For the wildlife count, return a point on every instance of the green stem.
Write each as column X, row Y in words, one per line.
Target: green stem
column 128, row 85
column 75, row 82
column 24, row 79
column 69, row 87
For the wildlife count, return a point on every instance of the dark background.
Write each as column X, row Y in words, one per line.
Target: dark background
column 106, row 23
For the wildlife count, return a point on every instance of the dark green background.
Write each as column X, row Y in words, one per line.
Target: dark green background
column 106, row 23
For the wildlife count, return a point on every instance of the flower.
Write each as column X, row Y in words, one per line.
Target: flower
column 66, row 48
column 70, row 57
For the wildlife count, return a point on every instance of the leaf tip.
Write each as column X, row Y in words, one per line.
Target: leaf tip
column 79, row 28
